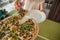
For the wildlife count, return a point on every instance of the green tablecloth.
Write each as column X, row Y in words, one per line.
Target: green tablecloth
column 48, row 29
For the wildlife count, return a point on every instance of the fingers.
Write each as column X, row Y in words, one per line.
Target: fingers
column 17, row 5
column 41, row 7
column 23, row 3
column 16, row 0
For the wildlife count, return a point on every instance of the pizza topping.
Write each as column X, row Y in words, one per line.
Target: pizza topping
column 10, row 29
column 11, row 38
column 13, row 28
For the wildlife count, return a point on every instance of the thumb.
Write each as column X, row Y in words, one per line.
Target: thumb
column 22, row 3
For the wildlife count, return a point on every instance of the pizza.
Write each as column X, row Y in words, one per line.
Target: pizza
column 10, row 29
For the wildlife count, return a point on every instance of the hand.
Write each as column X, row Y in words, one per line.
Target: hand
column 18, row 4
column 41, row 7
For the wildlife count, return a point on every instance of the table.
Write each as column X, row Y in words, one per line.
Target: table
column 48, row 29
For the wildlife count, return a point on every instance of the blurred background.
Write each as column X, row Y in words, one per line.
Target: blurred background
column 51, row 8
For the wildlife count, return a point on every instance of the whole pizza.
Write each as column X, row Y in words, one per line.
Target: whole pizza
column 10, row 29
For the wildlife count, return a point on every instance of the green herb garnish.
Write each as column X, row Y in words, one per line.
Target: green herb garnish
column 26, row 26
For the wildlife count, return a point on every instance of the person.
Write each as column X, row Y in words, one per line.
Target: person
column 30, row 4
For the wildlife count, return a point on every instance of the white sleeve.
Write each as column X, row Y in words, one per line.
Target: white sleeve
column 42, row 1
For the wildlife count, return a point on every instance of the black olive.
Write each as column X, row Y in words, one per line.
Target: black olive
column 30, row 35
column 29, row 39
column 2, row 34
column 22, row 33
column 24, row 36
column 22, row 14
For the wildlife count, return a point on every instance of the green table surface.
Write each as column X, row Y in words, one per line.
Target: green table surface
column 48, row 29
